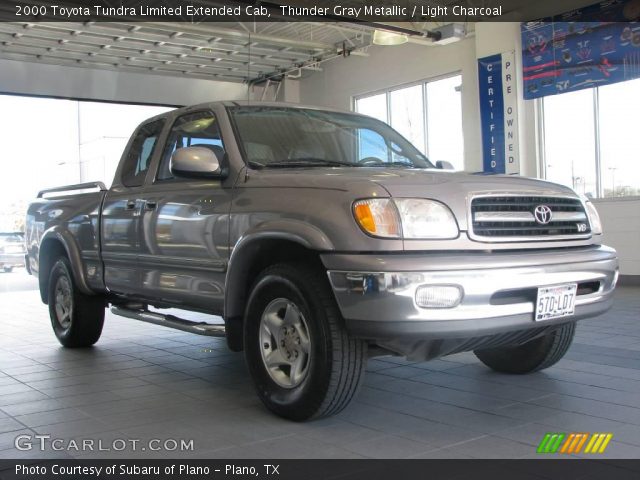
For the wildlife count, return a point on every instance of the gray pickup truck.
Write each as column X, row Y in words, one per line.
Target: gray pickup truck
column 321, row 238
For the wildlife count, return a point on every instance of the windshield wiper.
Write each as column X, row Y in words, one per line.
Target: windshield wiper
column 391, row 164
column 308, row 162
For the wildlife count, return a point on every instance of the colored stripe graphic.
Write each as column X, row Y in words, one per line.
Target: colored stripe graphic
column 581, row 442
column 573, row 442
column 598, row 443
column 543, row 443
column 550, row 443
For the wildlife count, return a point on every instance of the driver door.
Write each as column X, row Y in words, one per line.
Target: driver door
column 184, row 224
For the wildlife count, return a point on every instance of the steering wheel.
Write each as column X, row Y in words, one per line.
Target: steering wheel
column 371, row 161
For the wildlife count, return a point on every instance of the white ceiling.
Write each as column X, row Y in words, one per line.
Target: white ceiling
column 220, row 51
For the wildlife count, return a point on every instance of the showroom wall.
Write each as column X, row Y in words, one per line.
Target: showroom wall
column 386, row 67
column 42, row 79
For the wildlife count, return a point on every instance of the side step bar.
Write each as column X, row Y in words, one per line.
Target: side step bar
column 171, row 321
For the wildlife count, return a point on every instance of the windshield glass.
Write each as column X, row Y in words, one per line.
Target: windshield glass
column 293, row 137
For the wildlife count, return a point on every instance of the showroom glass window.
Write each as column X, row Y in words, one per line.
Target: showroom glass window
column 590, row 140
column 428, row 114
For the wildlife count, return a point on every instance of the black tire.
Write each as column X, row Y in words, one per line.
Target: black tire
column 336, row 361
column 8, row 269
column 79, row 323
column 535, row 355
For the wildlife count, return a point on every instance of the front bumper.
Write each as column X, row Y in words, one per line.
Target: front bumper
column 376, row 293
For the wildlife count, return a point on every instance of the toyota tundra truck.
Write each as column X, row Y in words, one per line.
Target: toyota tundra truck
column 316, row 239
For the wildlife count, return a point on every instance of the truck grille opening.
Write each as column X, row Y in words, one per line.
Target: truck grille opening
column 524, row 295
column 509, row 217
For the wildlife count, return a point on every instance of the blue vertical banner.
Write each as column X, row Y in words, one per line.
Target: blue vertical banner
column 498, row 113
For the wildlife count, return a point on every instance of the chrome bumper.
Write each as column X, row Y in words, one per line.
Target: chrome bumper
column 376, row 293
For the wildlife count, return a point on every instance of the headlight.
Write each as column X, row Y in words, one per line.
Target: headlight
column 594, row 218
column 409, row 218
column 426, row 219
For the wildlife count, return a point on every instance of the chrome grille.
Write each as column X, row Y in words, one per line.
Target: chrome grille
column 508, row 217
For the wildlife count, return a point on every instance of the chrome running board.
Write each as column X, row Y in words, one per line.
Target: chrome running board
column 171, row 321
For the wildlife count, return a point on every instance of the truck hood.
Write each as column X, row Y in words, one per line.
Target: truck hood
column 454, row 189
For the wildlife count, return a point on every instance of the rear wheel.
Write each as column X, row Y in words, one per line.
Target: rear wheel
column 8, row 269
column 76, row 318
column 535, row 355
column 303, row 362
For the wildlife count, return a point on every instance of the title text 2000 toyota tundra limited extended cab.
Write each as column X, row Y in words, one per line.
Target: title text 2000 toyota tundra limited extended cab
column 319, row 236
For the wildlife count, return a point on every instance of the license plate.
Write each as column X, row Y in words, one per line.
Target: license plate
column 556, row 301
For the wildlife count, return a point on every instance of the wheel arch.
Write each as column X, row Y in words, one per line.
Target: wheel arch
column 252, row 254
column 54, row 243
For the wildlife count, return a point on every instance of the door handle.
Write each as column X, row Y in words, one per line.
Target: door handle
column 131, row 204
column 150, row 204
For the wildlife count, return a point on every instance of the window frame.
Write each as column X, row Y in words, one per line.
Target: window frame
column 541, row 146
column 160, row 137
column 157, row 180
column 425, row 111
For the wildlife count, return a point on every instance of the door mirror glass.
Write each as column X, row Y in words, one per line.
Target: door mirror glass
column 196, row 162
column 444, row 165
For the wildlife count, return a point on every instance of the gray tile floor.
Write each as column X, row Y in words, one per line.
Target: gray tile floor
column 143, row 382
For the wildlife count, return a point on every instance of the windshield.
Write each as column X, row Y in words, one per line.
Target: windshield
column 293, row 137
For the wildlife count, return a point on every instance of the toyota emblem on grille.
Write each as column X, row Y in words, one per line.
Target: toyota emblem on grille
column 542, row 214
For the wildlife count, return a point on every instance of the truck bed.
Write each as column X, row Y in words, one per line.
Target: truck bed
column 74, row 216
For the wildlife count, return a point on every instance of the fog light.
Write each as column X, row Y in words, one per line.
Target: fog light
column 438, row 296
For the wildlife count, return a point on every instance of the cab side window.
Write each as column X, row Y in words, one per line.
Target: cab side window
column 139, row 157
column 198, row 129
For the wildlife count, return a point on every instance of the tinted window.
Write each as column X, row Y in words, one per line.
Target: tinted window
column 139, row 158
column 193, row 130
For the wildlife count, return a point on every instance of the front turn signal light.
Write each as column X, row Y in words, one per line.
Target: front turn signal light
column 378, row 217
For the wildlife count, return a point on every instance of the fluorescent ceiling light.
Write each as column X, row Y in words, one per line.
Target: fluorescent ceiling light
column 383, row 37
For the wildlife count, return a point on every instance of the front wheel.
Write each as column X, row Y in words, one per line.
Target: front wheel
column 303, row 362
column 535, row 355
column 76, row 318
column 8, row 269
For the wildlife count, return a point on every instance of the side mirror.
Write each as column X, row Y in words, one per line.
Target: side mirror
column 195, row 162
column 444, row 165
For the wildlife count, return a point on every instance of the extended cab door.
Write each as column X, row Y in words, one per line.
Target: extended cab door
column 122, row 209
column 184, row 223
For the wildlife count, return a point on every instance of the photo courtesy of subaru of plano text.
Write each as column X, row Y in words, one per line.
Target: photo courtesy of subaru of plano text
column 321, row 238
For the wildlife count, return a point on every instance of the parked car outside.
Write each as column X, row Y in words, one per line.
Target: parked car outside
column 12, row 251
